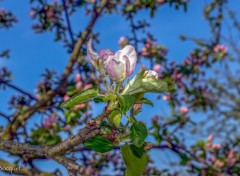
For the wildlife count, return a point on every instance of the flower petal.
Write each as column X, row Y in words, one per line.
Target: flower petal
column 91, row 54
column 129, row 52
column 116, row 70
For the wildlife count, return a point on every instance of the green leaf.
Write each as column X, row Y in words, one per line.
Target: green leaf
column 138, row 133
column 184, row 158
column 135, row 166
column 126, row 102
column 154, row 85
column 115, row 118
column 137, row 151
column 80, row 97
column 145, row 101
column 99, row 144
column 131, row 119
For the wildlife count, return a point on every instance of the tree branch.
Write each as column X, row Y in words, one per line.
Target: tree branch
column 55, row 152
column 21, row 117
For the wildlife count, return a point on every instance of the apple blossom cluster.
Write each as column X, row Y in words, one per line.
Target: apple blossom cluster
column 151, row 49
column 6, row 19
column 220, row 49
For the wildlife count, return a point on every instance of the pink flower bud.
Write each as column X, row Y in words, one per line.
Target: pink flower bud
column 220, row 49
column 219, row 163
column 67, row 127
column 79, row 86
column 157, row 67
column 80, row 106
column 166, row 97
column 216, row 146
column 184, row 110
column 77, row 78
column 66, row 97
column 87, row 86
column 32, row 14
column 210, row 138
column 122, row 41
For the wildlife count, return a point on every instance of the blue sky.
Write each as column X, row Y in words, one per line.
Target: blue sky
column 31, row 53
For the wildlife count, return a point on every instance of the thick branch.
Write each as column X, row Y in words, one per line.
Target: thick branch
column 55, row 152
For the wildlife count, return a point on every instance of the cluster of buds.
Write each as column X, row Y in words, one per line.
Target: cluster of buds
column 49, row 121
column 220, row 49
column 151, row 49
column 123, row 41
column 6, row 19
column 49, row 15
column 212, row 145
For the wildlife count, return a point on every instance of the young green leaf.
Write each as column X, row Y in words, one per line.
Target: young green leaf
column 80, row 98
column 134, row 165
column 99, row 144
column 126, row 102
column 138, row 133
column 115, row 118
column 145, row 101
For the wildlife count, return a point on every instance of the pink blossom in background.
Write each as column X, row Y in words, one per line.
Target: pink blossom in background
column 80, row 106
column 184, row 110
column 160, row 1
column 47, row 124
column 87, row 86
column 77, row 78
column 157, row 67
column 210, row 138
column 166, row 97
column 216, row 146
column 219, row 163
column 220, row 49
column 155, row 119
column 32, row 14
column 122, row 41
column 66, row 97
column 144, row 52
column 67, row 127
column 79, row 85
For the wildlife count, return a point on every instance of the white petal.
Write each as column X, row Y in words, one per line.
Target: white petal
column 129, row 52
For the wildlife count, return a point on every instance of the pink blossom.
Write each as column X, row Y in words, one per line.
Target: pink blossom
column 67, row 127
column 104, row 54
column 90, row 171
column 144, row 52
column 210, row 138
column 80, row 106
column 87, row 86
column 231, row 154
column 219, row 163
column 160, row 1
column 32, row 14
column 122, row 41
column 216, row 146
column 220, row 49
column 184, row 110
column 77, row 78
column 47, row 124
column 166, row 97
column 155, row 119
column 79, row 85
column 66, row 97
column 157, row 67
